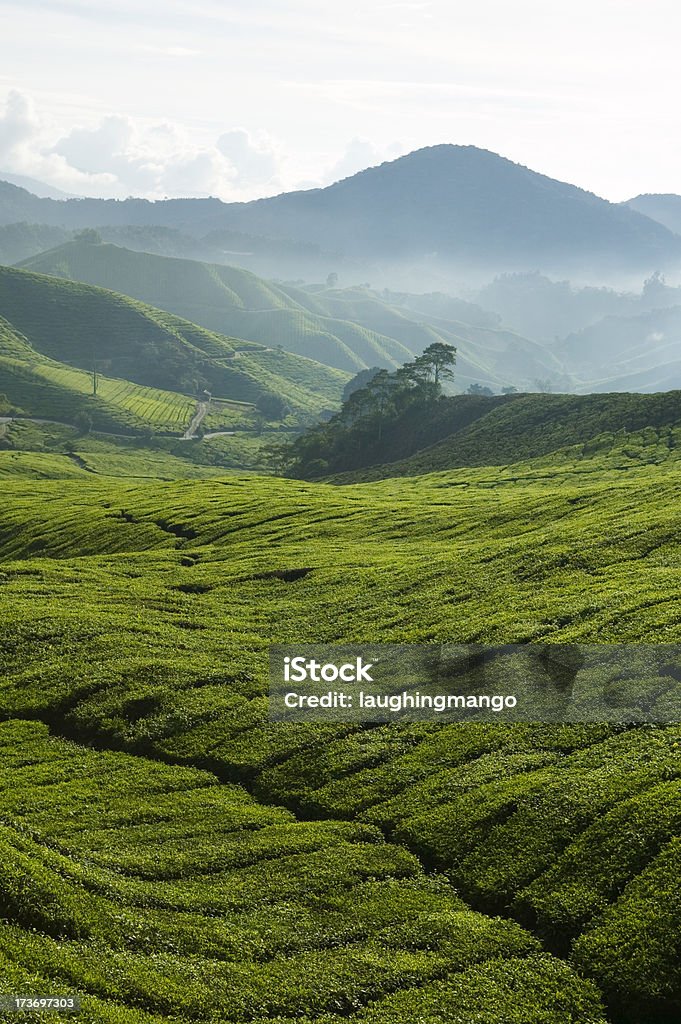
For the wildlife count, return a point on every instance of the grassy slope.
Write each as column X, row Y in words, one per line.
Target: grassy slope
column 345, row 328
column 76, row 323
column 228, row 300
column 53, row 450
column 499, row 431
column 161, row 891
column 140, row 618
column 45, row 388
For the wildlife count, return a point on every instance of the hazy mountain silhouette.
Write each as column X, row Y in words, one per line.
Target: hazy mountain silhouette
column 665, row 209
column 37, row 188
column 452, row 205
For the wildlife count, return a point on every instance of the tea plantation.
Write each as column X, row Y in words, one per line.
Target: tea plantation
column 47, row 320
column 170, row 854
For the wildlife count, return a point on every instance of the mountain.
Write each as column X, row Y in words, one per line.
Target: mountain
column 38, row 188
column 463, row 204
column 349, row 328
column 665, row 209
column 84, row 326
column 632, row 353
column 444, row 207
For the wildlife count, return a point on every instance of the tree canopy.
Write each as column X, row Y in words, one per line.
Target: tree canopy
column 383, row 402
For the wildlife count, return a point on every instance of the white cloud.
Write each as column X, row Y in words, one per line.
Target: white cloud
column 360, row 154
column 18, row 124
column 255, row 161
column 170, row 51
column 119, row 156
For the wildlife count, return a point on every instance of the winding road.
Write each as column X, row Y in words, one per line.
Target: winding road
column 197, row 419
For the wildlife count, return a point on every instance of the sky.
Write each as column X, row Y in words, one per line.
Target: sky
column 211, row 97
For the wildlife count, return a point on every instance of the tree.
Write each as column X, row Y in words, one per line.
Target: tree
column 381, row 390
column 479, row 389
column 441, row 359
column 332, row 279
column 273, row 407
column 360, row 380
column 88, row 235
column 509, row 390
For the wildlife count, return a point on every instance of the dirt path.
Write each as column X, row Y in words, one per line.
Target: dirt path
column 197, row 419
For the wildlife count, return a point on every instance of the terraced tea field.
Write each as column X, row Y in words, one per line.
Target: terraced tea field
column 47, row 389
column 171, row 854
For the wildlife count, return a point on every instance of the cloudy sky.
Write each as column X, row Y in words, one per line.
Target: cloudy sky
column 214, row 97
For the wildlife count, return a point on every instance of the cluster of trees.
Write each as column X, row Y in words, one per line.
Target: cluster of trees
column 377, row 403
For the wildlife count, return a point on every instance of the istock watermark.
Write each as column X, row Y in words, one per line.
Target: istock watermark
column 299, row 670
column 624, row 683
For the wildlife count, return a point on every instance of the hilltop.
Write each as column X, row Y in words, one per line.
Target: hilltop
column 663, row 208
column 463, row 204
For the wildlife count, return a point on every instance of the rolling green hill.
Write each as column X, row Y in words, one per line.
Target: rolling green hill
column 85, row 326
column 502, row 430
column 231, row 301
column 40, row 387
column 162, row 838
column 348, row 328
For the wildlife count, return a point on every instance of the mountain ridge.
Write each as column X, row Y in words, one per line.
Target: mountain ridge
column 443, row 203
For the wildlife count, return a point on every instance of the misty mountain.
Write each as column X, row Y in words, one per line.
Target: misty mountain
column 665, row 209
column 38, row 188
column 464, row 206
column 635, row 353
column 544, row 309
column 455, row 207
column 345, row 328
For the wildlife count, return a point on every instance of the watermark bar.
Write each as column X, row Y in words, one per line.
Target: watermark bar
column 39, row 1004
column 369, row 683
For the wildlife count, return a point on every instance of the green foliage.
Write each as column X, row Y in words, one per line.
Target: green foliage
column 273, row 407
column 159, row 889
column 470, row 430
column 387, row 403
column 87, row 327
column 360, row 380
column 182, row 857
